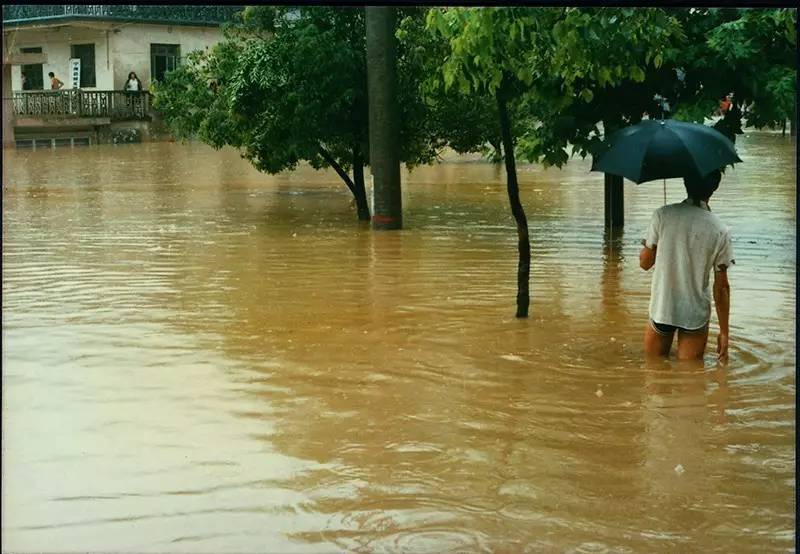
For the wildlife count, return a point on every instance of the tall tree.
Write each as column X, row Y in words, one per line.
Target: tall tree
column 545, row 62
column 289, row 85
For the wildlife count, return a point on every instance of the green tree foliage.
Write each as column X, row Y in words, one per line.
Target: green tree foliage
column 547, row 65
column 289, row 85
column 750, row 52
column 467, row 123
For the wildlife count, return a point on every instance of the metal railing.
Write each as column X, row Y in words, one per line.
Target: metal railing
column 115, row 104
column 16, row 14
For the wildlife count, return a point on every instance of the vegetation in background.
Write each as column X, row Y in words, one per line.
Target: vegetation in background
column 288, row 85
column 546, row 64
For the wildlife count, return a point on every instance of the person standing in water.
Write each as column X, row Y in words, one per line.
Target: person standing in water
column 685, row 241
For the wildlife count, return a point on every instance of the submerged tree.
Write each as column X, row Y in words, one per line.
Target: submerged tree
column 545, row 64
column 287, row 85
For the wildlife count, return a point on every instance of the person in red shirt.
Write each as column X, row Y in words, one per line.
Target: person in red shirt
column 725, row 105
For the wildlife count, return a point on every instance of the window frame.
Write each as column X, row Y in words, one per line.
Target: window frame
column 170, row 52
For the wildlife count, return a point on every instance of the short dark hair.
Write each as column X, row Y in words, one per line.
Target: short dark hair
column 51, row 74
column 701, row 188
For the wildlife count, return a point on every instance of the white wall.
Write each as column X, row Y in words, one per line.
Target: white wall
column 131, row 47
column 128, row 47
column 56, row 44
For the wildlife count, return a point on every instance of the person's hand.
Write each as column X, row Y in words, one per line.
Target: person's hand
column 722, row 346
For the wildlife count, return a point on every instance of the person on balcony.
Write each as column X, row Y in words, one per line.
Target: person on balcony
column 55, row 82
column 133, row 84
column 133, row 90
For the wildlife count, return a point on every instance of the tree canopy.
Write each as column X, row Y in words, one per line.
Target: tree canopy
column 543, row 65
column 750, row 52
column 288, row 85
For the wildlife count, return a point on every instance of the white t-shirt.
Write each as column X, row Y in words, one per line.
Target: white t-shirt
column 132, row 85
column 691, row 242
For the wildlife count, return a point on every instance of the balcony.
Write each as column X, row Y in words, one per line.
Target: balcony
column 22, row 14
column 63, row 106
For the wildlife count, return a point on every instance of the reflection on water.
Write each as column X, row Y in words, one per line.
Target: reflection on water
column 199, row 357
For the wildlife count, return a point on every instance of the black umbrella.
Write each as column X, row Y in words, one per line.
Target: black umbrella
column 663, row 149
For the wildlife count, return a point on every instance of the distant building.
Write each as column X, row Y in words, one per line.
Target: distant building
column 109, row 41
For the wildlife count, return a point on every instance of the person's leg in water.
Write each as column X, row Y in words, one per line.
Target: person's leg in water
column 692, row 344
column 657, row 343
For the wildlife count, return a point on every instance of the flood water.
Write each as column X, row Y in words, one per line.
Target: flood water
column 201, row 358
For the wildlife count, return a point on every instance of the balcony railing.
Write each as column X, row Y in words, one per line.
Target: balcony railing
column 114, row 104
column 17, row 14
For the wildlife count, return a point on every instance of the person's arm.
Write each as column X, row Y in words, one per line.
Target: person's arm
column 722, row 303
column 647, row 256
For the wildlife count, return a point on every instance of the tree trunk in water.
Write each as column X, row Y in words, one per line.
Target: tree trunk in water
column 524, row 245
column 384, row 125
column 614, row 202
column 348, row 181
column 360, row 191
column 497, row 155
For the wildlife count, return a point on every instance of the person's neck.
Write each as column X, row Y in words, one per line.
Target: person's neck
column 703, row 203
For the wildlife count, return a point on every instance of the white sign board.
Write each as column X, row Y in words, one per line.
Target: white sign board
column 75, row 72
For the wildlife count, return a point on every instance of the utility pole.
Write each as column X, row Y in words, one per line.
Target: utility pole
column 384, row 132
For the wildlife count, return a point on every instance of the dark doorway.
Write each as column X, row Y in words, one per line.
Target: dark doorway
column 86, row 54
column 33, row 73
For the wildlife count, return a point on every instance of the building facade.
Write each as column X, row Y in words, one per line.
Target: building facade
column 110, row 41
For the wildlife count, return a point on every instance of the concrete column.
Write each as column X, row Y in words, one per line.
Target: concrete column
column 8, row 108
column 614, row 201
column 384, row 135
column 8, row 100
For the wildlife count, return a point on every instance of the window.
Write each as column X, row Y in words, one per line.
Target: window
column 33, row 73
column 86, row 54
column 163, row 58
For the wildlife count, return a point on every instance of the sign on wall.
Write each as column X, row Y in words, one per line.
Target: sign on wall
column 75, row 72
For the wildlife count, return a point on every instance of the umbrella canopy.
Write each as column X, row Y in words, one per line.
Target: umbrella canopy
column 664, row 149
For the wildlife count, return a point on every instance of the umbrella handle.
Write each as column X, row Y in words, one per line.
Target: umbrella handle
column 665, row 192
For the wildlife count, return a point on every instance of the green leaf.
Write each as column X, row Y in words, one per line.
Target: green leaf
column 637, row 74
column 587, row 95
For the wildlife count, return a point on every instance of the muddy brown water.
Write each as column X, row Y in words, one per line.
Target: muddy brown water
column 201, row 358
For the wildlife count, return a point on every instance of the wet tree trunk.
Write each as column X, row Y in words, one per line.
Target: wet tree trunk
column 614, row 203
column 363, row 214
column 384, row 135
column 524, row 245
column 360, row 191
column 497, row 155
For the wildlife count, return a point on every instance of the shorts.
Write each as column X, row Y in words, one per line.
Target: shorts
column 666, row 330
